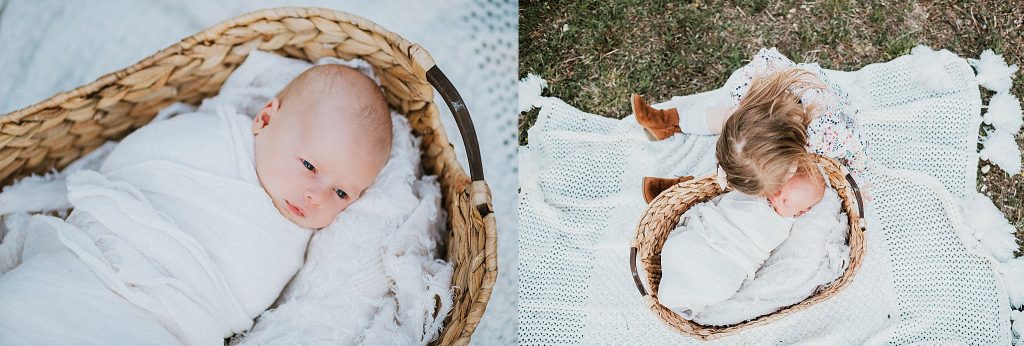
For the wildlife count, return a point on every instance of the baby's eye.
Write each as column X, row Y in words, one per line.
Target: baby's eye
column 308, row 165
column 341, row 193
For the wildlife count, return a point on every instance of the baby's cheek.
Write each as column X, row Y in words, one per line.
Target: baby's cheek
column 333, row 214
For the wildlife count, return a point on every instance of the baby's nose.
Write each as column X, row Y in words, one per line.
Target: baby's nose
column 314, row 198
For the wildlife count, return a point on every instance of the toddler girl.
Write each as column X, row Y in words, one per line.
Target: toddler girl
column 778, row 114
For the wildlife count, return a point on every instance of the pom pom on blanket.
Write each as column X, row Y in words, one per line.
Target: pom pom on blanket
column 1001, row 149
column 930, row 68
column 993, row 73
column 1013, row 280
column 530, row 88
column 989, row 226
column 1017, row 319
column 1004, row 113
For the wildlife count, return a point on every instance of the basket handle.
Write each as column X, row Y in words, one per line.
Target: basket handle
column 856, row 194
column 636, row 276
column 458, row 108
column 632, row 264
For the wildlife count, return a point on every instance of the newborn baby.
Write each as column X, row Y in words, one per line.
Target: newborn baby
column 798, row 194
column 722, row 243
column 316, row 152
column 193, row 225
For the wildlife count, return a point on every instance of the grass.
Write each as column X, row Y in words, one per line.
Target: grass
column 595, row 53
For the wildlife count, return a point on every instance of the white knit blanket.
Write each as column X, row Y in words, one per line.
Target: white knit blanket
column 580, row 201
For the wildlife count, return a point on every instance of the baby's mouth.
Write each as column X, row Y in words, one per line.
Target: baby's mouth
column 294, row 210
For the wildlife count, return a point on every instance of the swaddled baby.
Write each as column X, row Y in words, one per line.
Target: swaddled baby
column 722, row 243
column 193, row 225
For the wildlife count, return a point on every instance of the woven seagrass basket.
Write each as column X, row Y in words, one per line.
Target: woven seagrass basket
column 55, row 132
column 662, row 215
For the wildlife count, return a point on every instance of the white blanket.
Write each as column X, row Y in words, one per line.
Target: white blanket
column 814, row 255
column 181, row 231
column 722, row 244
column 580, row 202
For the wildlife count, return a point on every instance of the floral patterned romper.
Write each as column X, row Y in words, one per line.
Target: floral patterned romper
column 834, row 131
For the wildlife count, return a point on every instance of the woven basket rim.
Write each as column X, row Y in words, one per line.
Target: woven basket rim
column 659, row 213
column 209, row 34
column 479, row 217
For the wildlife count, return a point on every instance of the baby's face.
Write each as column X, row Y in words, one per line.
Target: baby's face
column 310, row 163
column 801, row 192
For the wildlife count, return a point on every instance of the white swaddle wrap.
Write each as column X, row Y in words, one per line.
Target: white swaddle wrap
column 814, row 255
column 181, row 230
column 722, row 245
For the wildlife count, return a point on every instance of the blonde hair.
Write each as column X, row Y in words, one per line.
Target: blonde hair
column 767, row 133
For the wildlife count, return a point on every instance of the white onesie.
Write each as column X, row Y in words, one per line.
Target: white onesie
column 719, row 245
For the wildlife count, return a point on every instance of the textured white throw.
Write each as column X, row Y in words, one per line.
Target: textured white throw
column 922, row 279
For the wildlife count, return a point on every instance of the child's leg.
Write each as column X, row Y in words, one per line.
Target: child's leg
column 705, row 116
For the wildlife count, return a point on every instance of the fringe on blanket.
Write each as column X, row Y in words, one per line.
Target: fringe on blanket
column 993, row 236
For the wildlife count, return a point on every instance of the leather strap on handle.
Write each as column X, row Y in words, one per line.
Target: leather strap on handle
column 458, row 108
column 632, row 264
column 636, row 276
column 856, row 194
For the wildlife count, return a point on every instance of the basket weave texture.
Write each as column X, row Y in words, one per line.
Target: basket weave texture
column 55, row 132
column 662, row 216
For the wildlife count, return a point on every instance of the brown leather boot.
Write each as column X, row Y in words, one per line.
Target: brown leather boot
column 653, row 186
column 659, row 123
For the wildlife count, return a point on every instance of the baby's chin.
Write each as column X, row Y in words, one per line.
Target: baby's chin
column 785, row 213
column 306, row 223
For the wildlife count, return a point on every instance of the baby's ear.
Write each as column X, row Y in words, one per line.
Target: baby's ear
column 262, row 119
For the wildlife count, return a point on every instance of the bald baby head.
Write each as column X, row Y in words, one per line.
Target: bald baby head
column 321, row 142
column 801, row 192
column 334, row 93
